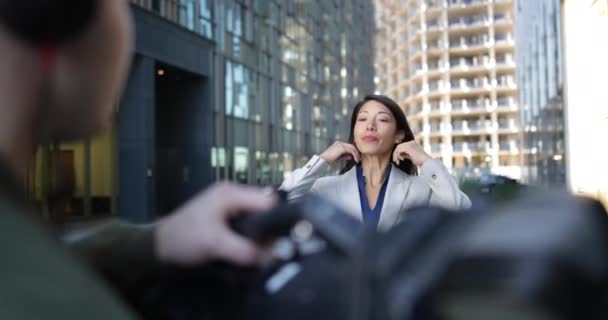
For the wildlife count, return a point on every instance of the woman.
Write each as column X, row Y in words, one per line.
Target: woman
column 380, row 180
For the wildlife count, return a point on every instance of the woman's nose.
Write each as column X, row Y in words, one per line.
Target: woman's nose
column 371, row 125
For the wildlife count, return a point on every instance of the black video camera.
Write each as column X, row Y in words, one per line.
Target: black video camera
column 540, row 257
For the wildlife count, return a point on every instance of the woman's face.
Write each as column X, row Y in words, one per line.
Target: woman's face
column 375, row 129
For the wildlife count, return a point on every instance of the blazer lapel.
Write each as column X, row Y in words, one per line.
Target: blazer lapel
column 348, row 192
column 396, row 192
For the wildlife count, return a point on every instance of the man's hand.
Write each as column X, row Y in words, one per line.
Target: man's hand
column 410, row 150
column 198, row 231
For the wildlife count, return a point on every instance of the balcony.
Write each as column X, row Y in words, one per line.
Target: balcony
column 434, row 25
column 505, row 104
column 435, row 45
column 411, row 12
column 434, row 86
column 508, row 146
column 469, row 42
column 414, row 110
column 465, row 3
column 416, row 68
column 506, row 82
column 469, row 84
column 458, row 146
column 434, row 4
column 502, row 18
column 435, row 128
column 435, row 107
column 476, row 105
column 506, row 126
column 412, row 32
column 435, row 148
column 466, row 22
column 433, row 65
column 414, row 51
column 503, row 39
column 505, row 60
column 469, row 62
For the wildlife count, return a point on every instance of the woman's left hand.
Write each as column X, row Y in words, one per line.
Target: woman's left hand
column 410, row 150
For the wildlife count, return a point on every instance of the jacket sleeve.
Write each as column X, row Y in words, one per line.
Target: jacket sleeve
column 302, row 180
column 121, row 253
column 445, row 192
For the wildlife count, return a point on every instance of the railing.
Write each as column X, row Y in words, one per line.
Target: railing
column 506, row 125
column 458, row 126
column 508, row 145
column 435, row 107
column 434, row 86
column 463, row 83
column 433, row 25
column 467, row 62
column 415, row 110
column 435, row 45
column 434, row 4
column 465, row 42
column 435, row 128
column 454, row 3
column 433, row 65
column 468, row 21
column 501, row 17
column 503, row 38
column 506, row 82
column 505, row 103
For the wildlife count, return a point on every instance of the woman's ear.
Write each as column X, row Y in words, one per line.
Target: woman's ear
column 399, row 138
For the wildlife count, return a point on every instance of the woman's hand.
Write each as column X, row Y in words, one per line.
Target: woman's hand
column 341, row 151
column 410, row 150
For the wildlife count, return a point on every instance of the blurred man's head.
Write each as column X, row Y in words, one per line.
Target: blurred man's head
column 65, row 64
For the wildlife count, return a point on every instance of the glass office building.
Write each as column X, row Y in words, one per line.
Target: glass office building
column 286, row 75
column 541, row 81
column 233, row 90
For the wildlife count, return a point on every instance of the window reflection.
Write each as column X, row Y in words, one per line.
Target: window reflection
column 241, row 164
column 240, row 97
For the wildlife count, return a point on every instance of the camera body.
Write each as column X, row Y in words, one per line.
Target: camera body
column 540, row 257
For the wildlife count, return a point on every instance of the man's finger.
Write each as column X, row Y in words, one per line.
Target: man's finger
column 236, row 249
column 245, row 199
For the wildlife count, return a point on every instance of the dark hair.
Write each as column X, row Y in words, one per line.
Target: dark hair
column 47, row 21
column 406, row 165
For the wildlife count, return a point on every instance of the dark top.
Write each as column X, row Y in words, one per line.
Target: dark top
column 371, row 216
column 42, row 279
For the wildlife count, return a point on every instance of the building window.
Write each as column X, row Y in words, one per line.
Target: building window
column 186, row 14
column 206, row 18
column 241, row 164
column 237, row 90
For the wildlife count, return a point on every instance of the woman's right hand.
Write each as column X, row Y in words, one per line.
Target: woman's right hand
column 341, row 151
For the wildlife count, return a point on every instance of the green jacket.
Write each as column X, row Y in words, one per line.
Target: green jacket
column 42, row 278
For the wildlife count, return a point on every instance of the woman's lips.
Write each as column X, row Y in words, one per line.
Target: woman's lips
column 369, row 138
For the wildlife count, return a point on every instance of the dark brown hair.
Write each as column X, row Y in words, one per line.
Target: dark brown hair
column 406, row 165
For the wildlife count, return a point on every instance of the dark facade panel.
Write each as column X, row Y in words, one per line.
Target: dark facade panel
column 165, row 41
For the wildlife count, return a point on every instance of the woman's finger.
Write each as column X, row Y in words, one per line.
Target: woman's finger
column 355, row 153
column 346, row 157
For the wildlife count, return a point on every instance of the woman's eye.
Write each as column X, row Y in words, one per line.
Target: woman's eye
column 361, row 119
column 384, row 120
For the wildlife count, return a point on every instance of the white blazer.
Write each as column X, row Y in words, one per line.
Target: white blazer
column 433, row 187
